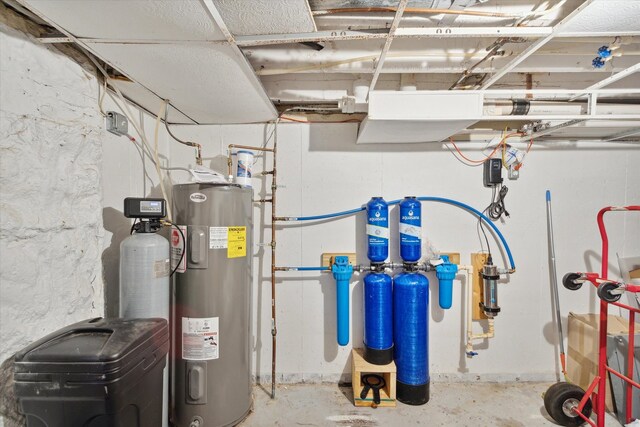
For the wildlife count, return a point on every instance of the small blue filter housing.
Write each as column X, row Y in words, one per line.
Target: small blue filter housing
column 378, row 319
column 410, row 230
column 377, row 230
column 411, row 337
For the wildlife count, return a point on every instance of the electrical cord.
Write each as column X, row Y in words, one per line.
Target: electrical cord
column 133, row 226
column 480, row 225
column 184, row 246
column 184, row 240
column 496, row 208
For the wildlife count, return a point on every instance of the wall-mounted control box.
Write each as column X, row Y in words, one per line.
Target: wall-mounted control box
column 492, row 172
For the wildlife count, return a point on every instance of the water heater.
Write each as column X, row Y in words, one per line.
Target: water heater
column 211, row 322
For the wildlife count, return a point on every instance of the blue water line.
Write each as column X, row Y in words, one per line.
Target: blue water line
column 307, row 268
column 331, row 215
column 424, row 199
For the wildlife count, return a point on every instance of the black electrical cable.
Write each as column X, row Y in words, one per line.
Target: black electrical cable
column 497, row 208
column 184, row 247
column 133, row 226
column 481, row 225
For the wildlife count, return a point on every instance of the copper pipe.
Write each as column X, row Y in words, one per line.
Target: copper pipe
column 529, row 83
column 274, row 189
column 419, row 10
column 246, row 147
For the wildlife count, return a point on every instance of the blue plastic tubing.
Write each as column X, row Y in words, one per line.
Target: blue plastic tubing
column 378, row 314
column 424, row 199
column 410, row 328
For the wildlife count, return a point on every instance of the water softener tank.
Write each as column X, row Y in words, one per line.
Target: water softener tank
column 211, row 370
column 410, row 230
column 411, row 335
column 377, row 230
column 378, row 319
column 144, row 286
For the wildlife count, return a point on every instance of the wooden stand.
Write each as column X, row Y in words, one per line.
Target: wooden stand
column 359, row 367
column 478, row 260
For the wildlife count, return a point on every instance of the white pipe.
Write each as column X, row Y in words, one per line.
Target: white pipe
column 535, row 46
column 468, row 270
column 540, row 108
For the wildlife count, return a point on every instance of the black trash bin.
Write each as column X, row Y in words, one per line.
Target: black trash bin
column 96, row 373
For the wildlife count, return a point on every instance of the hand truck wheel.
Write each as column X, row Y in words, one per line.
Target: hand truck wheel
column 563, row 403
column 604, row 291
column 569, row 281
column 550, row 394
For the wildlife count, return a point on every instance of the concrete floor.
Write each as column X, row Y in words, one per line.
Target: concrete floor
column 451, row 404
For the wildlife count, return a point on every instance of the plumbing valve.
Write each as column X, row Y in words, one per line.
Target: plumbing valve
column 604, row 52
column 598, row 62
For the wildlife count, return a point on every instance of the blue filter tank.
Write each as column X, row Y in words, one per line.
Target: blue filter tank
column 377, row 230
column 411, row 337
column 378, row 319
column 410, row 230
column 446, row 273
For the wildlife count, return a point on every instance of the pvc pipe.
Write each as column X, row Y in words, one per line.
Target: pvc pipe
column 468, row 270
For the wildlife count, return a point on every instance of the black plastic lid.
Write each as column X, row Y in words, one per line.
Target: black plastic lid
column 94, row 345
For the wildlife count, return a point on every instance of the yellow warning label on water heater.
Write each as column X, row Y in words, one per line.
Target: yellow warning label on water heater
column 237, row 242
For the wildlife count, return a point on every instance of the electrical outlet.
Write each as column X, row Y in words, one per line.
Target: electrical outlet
column 513, row 173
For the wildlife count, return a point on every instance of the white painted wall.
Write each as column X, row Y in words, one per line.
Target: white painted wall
column 50, row 192
column 322, row 170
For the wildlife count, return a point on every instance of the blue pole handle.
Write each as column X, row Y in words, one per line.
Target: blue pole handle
column 342, row 272
column 548, row 196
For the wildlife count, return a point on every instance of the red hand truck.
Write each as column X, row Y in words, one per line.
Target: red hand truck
column 567, row 403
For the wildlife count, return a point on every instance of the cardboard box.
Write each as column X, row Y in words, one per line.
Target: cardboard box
column 582, row 354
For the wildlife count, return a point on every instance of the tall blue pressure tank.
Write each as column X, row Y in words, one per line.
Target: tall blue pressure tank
column 410, row 230
column 377, row 230
column 378, row 319
column 411, row 337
